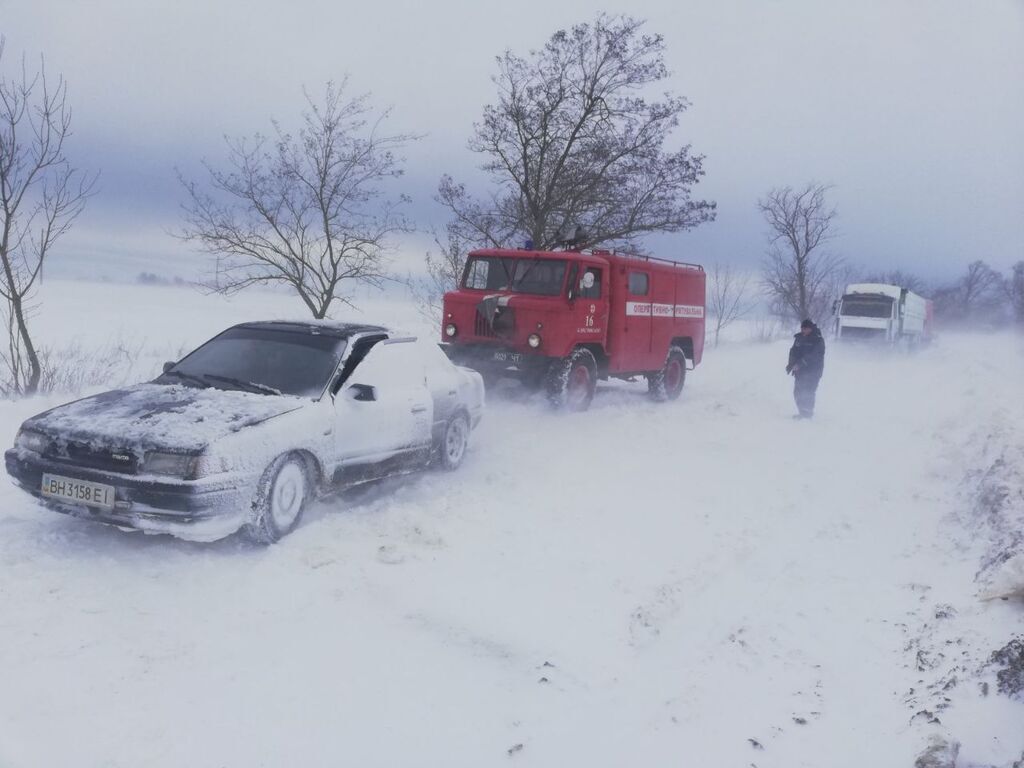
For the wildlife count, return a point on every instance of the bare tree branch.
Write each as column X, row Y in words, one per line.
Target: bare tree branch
column 798, row 274
column 41, row 196
column 978, row 297
column 444, row 270
column 728, row 296
column 307, row 211
column 573, row 141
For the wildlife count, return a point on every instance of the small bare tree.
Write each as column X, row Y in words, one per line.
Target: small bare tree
column 443, row 271
column 41, row 195
column 982, row 290
column 306, row 212
column 573, row 142
column 729, row 296
column 799, row 274
column 979, row 296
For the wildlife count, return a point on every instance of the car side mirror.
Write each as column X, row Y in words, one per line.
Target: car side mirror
column 364, row 393
column 168, row 365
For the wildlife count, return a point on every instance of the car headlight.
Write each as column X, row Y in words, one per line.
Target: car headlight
column 450, row 330
column 173, row 464
column 211, row 463
column 533, row 340
column 28, row 440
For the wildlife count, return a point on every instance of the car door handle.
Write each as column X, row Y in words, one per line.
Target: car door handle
column 419, row 408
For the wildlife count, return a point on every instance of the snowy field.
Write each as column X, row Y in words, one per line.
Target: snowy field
column 703, row 583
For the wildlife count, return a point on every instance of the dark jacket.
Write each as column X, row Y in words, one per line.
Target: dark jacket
column 807, row 354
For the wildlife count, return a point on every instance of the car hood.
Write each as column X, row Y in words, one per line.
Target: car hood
column 155, row 416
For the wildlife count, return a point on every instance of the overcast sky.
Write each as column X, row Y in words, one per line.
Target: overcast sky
column 914, row 110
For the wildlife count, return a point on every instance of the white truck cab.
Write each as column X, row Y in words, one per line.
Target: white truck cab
column 879, row 312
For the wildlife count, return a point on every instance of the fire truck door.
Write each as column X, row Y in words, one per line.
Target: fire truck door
column 639, row 309
column 591, row 306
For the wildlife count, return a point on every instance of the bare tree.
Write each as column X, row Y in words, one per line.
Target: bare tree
column 1015, row 288
column 729, row 296
column 574, row 144
column 306, row 212
column 799, row 274
column 41, row 195
column 979, row 296
column 901, row 278
column 982, row 290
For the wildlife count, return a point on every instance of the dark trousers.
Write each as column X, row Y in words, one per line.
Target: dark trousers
column 804, row 389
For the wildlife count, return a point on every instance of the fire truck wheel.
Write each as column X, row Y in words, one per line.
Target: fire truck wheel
column 572, row 381
column 667, row 384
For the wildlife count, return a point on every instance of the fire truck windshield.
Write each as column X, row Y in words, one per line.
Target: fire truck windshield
column 541, row 277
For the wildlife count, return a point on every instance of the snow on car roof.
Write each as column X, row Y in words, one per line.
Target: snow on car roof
column 332, row 327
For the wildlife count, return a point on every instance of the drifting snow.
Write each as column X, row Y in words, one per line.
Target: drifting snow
column 705, row 582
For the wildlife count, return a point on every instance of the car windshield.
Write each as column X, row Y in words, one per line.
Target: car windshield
column 265, row 360
column 542, row 277
column 866, row 306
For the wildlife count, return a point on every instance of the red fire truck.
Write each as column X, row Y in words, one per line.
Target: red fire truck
column 564, row 319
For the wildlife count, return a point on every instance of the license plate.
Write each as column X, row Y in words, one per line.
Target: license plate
column 78, row 491
column 508, row 357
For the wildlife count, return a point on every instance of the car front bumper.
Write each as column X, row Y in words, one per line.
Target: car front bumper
column 200, row 510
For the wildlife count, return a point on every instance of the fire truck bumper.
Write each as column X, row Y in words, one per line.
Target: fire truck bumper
column 498, row 360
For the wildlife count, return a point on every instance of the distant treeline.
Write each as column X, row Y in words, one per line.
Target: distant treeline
column 151, row 278
column 981, row 296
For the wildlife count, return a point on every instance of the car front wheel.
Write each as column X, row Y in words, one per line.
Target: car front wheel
column 281, row 498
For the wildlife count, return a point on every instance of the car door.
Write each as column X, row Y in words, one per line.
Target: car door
column 444, row 383
column 384, row 407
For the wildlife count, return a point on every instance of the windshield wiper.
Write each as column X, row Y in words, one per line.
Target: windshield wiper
column 516, row 283
column 252, row 386
column 188, row 377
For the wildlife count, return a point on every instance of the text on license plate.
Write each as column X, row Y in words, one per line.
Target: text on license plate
column 508, row 357
column 78, row 491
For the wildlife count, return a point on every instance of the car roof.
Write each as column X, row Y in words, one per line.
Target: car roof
column 323, row 327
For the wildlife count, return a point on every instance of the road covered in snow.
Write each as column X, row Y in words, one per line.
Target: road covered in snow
column 704, row 583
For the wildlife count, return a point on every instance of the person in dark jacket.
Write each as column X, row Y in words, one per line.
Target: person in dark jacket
column 806, row 363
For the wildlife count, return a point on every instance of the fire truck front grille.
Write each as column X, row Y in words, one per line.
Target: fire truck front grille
column 482, row 328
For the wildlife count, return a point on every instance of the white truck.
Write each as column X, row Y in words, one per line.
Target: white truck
column 879, row 312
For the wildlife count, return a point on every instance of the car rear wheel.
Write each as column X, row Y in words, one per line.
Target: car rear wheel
column 454, row 442
column 281, row 498
column 667, row 384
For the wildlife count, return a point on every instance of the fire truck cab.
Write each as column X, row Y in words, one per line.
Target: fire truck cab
column 564, row 319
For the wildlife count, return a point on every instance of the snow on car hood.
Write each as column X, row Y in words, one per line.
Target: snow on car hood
column 148, row 416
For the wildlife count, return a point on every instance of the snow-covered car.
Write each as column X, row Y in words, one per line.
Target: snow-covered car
column 250, row 427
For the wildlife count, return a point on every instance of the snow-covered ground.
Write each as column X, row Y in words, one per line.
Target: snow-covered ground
column 702, row 583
